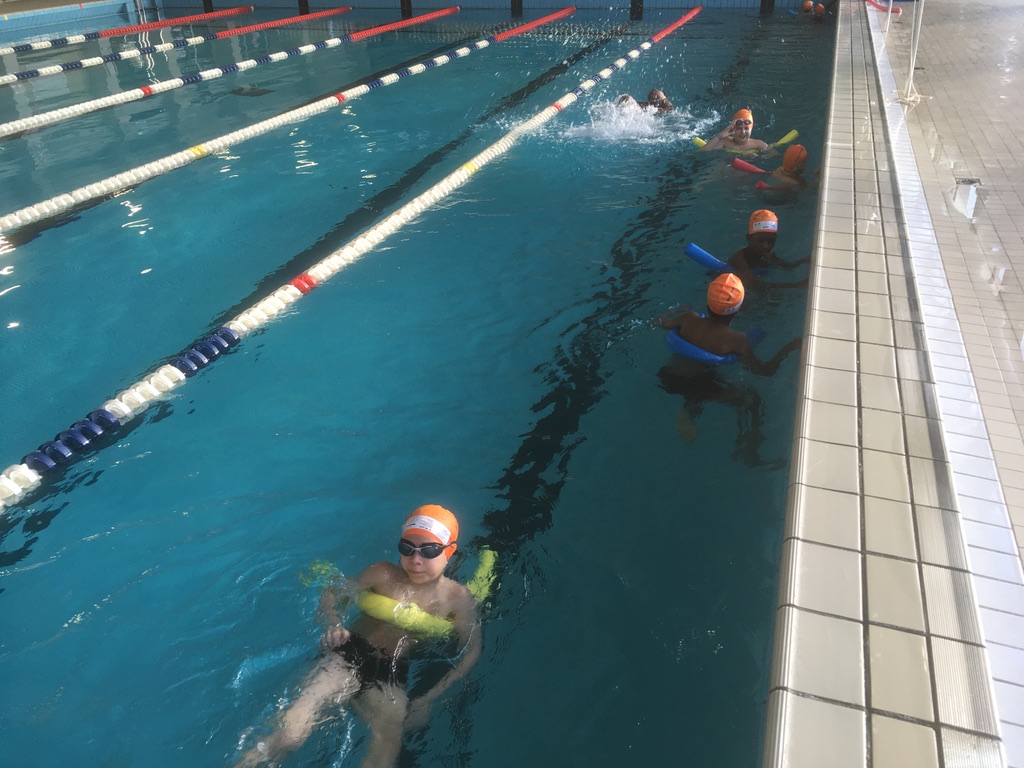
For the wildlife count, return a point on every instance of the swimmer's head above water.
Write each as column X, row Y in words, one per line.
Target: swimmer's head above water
column 428, row 541
column 657, row 99
column 725, row 295
column 762, row 221
column 794, row 159
column 742, row 125
column 435, row 526
column 762, row 231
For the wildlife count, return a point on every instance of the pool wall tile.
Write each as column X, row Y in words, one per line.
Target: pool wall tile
column 900, row 679
column 902, row 744
column 837, row 676
column 811, row 730
column 894, row 593
column 824, row 516
column 820, row 578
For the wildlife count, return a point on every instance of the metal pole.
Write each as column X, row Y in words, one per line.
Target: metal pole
column 909, row 93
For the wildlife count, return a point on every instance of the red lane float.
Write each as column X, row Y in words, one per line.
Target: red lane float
column 134, row 53
column 174, row 22
column 281, row 22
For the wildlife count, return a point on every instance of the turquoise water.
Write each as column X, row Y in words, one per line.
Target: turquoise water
column 495, row 356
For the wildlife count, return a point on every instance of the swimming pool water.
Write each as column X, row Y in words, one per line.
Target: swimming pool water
column 495, row 355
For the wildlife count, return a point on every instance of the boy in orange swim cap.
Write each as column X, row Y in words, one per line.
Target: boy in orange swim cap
column 369, row 662
column 791, row 171
column 711, row 332
column 699, row 382
column 758, row 256
column 736, row 136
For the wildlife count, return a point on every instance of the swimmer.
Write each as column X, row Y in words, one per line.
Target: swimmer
column 712, row 333
column 808, row 6
column 656, row 99
column 790, row 173
column 759, row 252
column 368, row 664
column 700, row 383
column 736, row 136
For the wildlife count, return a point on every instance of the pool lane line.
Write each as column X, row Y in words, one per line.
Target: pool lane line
column 375, row 206
column 18, row 127
column 134, row 53
column 87, row 37
column 132, row 178
column 20, row 479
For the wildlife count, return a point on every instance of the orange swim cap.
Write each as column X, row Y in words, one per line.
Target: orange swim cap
column 725, row 294
column 744, row 114
column 808, row 5
column 762, row 221
column 819, row 10
column 795, row 156
column 434, row 522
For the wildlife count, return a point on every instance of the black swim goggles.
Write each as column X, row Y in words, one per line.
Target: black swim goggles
column 430, row 550
column 741, row 121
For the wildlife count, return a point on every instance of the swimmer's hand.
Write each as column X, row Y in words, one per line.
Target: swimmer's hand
column 333, row 637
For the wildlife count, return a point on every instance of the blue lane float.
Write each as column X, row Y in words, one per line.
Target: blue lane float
column 77, row 438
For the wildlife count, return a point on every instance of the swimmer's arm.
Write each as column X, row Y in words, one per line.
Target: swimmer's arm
column 334, row 598
column 673, row 319
column 781, row 263
column 740, row 265
column 769, row 367
column 718, row 140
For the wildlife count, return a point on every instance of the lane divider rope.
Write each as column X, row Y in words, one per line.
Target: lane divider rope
column 136, row 176
column 60, row 42
column 20, row 479
column 126, row 97
column 134, row 53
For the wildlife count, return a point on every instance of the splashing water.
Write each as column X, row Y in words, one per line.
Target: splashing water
column 614, row 122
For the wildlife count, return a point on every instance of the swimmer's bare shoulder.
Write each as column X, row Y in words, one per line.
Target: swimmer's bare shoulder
column 384, row 578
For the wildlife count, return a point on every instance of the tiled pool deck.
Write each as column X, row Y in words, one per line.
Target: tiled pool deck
column 900, row 627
